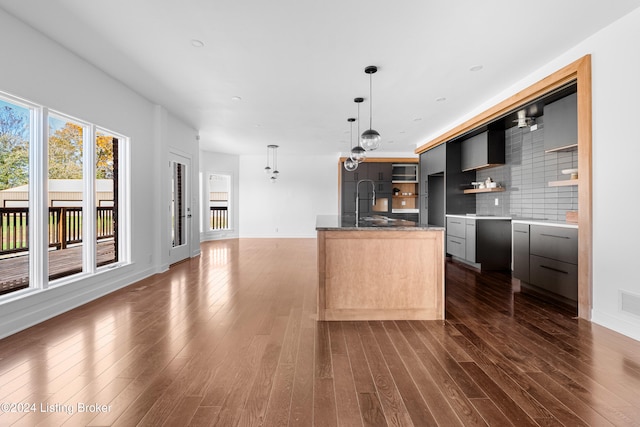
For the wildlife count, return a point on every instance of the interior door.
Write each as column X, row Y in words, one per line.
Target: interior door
column 180, row 209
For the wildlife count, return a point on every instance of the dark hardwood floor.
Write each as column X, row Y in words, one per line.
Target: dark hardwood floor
column 230, row 338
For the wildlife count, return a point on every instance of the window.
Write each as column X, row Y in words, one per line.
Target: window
column 219, row 191
column 15, row 139
column 65, row 180
column 46, row 231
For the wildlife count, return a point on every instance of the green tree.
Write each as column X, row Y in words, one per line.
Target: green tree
column 14, row 147
column 65, row 152
column 104, row 157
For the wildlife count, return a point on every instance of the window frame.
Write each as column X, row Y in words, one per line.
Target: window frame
column 38, row 199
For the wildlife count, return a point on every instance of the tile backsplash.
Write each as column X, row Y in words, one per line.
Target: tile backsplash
column 526, row 175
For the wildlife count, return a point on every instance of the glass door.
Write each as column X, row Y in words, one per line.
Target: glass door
column 180, row 214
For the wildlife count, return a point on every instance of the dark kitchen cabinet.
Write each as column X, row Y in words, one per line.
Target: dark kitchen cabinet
column 545, row 259
column 435, row 160
column 348, row 198
column 354, row 176
column 380, row 174
column 483, row 150
column 442, row 184
column 483, row 243
column 561, row 124
column 521, row 251
column 379, row 171
column 432, row 186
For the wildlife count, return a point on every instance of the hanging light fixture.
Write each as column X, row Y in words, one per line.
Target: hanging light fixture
column 358, row 154
column 267, row 169
column 370, row 137
column 272, row 154
column 350, row 164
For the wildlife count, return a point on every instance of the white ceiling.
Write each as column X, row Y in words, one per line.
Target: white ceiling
column 298, row 64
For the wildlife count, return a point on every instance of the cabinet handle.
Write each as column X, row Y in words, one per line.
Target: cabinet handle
column 520, row 231
column 554, row 269
column 457, row 243
column 453, row 222
column 553, row 235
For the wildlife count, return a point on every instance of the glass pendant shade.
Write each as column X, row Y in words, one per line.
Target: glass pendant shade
column 358, row 154
column 350, row 165
column 370, row 138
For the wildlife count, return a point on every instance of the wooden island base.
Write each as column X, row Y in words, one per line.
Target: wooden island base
column 381, row 274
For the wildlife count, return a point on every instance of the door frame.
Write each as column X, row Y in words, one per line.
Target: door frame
column 182, row 252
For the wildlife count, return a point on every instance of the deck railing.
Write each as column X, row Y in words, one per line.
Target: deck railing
column 65, row 227
column 219, row 217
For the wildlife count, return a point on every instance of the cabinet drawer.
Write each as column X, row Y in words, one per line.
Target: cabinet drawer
column 456, row 227
column 456, row 246
column 555, row 276
column 554, row 242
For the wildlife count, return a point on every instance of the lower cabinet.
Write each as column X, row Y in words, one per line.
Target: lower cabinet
column 545, row 259
column 483, row 243
column 521, row 251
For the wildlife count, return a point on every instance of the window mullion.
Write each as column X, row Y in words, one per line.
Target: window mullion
column 89, row 200
column 38, row 197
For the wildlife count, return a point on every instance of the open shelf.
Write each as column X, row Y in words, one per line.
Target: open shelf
column 404, row 197
column 563, row 183
column 484, row 190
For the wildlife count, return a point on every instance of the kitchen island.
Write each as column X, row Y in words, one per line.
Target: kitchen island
column 379, row 269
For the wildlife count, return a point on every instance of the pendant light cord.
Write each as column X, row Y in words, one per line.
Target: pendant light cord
column 370, row 101
column 358, row 104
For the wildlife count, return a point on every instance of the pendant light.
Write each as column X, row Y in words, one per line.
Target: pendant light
column 358, row 154
column 272, row 154
column 350, row 164
column 275, row 174
column 267, row 169
column 370, row 137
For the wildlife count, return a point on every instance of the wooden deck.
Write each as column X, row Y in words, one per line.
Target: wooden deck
column 14, row 271
column 231, row 338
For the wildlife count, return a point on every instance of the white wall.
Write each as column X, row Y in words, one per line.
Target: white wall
column 228, row 164
column 616, row 150
column 41, row 71
column 307, row 187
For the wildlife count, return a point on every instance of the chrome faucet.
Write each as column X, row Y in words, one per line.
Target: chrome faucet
column 373, row 202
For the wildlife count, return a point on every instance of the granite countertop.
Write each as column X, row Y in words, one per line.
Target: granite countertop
column 477, row 216
column 373, row 222
column 548, row 222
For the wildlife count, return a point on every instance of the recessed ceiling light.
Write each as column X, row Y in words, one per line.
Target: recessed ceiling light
column 197, row 43
column 441, row 99
column 476, row 68
column 236, row 98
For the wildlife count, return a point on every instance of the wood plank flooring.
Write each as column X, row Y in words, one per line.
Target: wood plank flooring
column 230, row 338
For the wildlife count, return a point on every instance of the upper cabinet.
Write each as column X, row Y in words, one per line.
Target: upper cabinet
column 483, row 150
column 561, row 124
column 404, row 173
column 379, row 172
column 433, row 161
